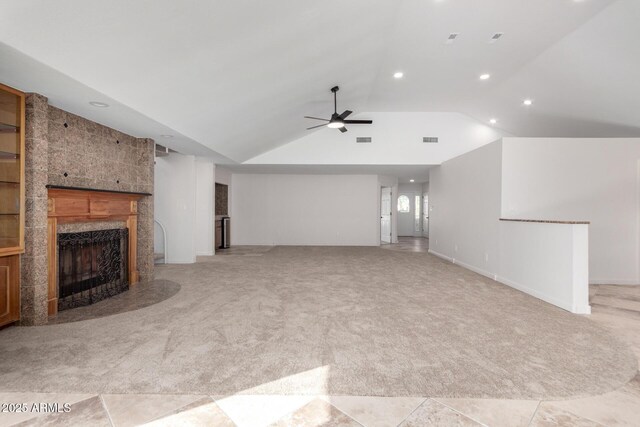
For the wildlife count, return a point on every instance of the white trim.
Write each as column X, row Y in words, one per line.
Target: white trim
column 204, row 253
column 573, row 309
column 476, row 269
column 439, row 255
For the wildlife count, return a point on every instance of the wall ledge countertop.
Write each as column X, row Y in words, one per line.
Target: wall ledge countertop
column 546, row 221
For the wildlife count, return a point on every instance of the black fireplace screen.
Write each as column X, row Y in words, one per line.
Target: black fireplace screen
column 92, row 266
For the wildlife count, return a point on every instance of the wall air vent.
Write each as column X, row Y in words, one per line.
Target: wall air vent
column 363, row 139
column 430, row 139
column 494, row 38
column 452, row 37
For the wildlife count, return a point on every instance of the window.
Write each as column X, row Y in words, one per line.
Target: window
column 404, row 204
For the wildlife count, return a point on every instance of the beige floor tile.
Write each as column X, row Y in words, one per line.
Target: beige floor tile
column 495, row 412
column 432, row 413
column 625, row 303
column 617, row 408
column 204, row 412
column 376, row 411
column 548, row 415
column 89, row 412
column 317, row 413
column 260, row 410
column 8, row 419
column 128, row 410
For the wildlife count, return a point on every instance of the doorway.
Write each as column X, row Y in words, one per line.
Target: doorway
column 385, row 215
column 409, row 220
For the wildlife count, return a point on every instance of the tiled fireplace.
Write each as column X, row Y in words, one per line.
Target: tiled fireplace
column 65, row 150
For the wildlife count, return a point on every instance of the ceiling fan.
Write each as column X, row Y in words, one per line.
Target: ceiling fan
column 338, row 121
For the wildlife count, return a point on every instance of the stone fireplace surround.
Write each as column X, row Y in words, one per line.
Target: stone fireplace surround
column 67, row 150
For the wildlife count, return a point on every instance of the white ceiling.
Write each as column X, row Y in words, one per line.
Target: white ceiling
column 238, row 76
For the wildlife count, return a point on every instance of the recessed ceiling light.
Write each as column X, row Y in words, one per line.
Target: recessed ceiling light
column 527, row 102
column 485, row 76
column 167, row 136
column 495, row 37
column 398, row 75
column 412, row 180
column 451, row 38
column 493, row 121
column 99, row 104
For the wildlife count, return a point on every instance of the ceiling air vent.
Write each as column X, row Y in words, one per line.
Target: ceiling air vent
column 363, row 139
column 494, row 38
column 431, row 139
column 452, row 37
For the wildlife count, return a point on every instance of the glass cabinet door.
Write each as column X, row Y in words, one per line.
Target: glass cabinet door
column 11, row 171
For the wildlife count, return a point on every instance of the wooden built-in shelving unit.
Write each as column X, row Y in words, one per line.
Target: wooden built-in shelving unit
column 12, row 125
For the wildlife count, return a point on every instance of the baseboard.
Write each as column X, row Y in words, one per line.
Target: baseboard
column 613, row 282
column 576, row 309
column 569, row 307
column 439, row 255
column 475, row 269
column 204, row 253
column 464, row 265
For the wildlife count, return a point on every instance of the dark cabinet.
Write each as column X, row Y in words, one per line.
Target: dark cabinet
column 223, row 232
column 218, row 233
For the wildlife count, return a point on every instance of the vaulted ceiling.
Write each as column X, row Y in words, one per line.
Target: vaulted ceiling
column 236, row 77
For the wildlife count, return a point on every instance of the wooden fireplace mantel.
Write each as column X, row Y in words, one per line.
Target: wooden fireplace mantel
column 69, row 205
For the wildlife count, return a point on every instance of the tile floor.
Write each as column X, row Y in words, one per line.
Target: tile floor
column 408, row 244
column 615, row 307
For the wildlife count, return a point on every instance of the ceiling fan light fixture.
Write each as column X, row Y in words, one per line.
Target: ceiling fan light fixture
column 335, row 124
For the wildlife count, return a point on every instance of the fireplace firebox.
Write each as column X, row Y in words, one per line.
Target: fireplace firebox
column 92, row 266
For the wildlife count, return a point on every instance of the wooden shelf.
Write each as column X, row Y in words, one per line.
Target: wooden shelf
column 12, row 198
column 5, row 155
column 7, row 128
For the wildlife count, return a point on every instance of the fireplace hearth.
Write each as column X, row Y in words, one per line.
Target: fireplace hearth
column 92, row 266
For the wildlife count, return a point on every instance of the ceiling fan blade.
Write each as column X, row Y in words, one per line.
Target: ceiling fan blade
column 359, row 122
column 343, row 129
column 313, row 127
column 316, row 118
column 345, row 114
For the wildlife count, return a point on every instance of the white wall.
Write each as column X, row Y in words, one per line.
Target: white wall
column 397, row 139
column 175, row 202
column 223, row 175
column 465, row 208
column 548, row 261
column 305, row 210
column 593, row 179
column 204, row 209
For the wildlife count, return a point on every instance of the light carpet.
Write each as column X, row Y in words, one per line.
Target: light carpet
column 325, row 320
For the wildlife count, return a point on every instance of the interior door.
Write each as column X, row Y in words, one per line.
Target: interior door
column 406, row 214
column 425, row 215
column 385, row 215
